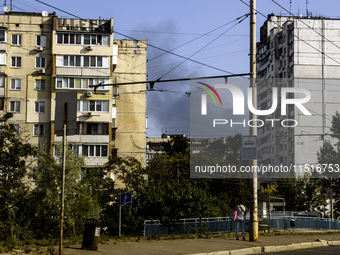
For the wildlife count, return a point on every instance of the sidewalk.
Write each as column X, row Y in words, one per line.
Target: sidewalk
column 276, row 241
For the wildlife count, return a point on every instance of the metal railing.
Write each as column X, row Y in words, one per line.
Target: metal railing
column 226, row 224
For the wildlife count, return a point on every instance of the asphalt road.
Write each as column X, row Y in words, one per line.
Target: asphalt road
column 328, row 250
column 209, row 245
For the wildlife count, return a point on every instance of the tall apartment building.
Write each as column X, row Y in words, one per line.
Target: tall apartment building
column 42, row 55
column 297, row 53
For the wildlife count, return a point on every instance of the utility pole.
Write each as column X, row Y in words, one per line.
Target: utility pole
column 63, row 182
column 254, row 224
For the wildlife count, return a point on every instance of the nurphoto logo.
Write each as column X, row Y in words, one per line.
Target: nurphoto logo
column 238, row 100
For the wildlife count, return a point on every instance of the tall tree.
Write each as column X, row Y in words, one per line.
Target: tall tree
column 330, row 154
column 15, row 157
column 86, row 192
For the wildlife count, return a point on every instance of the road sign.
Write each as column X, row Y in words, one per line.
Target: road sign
column 249, row 147
column 125, row 199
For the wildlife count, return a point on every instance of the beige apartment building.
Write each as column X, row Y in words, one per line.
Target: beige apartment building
column 42, row 55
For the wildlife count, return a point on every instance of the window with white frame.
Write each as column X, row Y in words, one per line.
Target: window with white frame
column 94, row 150
column 3, row 35
column 57, row 151
column 83, row 39
column 15, row 84
column 80, row 83
column 40, row 62
column 39, row 84
column 39, row 107
column 115, row 92
column 38, row 129
column 15, row 61
column 93, row 105
column 82, row 61
column 41, row 40
column 90, row 150
column 3, row 58
column 16, row 40
column 14, row 106
column 2, row 81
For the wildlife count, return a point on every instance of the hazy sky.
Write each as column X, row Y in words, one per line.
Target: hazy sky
column 205, row 31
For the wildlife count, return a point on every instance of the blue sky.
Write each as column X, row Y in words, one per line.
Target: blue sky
column 170, row 24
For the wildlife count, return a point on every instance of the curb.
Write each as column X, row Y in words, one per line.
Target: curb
column 264, row 249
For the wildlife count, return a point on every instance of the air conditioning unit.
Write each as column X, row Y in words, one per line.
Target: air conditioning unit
column 89, row 47
column 41, row 71
column 40, row 48
column 89, row 114
column 89, row 93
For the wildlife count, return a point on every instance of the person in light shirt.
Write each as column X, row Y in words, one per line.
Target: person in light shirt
column 240, row 219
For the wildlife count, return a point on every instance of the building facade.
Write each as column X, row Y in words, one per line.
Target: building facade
column 297, row 53
column 43, row 55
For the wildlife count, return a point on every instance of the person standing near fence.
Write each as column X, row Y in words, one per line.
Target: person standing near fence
column 240, row 219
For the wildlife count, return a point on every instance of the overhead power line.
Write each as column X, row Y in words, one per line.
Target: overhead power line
column 276, row 23
column 153, row 46
column 307, row 25
column 243, row 17
column 192, row 40
column 168, row 80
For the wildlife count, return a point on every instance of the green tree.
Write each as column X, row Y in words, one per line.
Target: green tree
column 329, row 154
column 302, row 194
column 86, row 192
column 164, row 190
column 15, row 158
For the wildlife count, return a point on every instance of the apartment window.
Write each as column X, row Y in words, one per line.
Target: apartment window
column 40, row 107
column 93, row 39
column 15, row 84
column 93, row 105
column 2, row 35
column 16, row 127
column 41, row 40
column 83, row 39
column 14, row 106
column 16, row 62
column 78, row 39
column 40, row 62
column 86, row 39
column 115, row 91
column 2, row 58
column 57, row 151
column 86, row 61
column 71, row 60
column 94, row 150
column 2, row 103
column 88, row 128
column 80, row 83
column 99, row 61
column 83, row 61
column 39, row 84
column 16, row 40
column 39, row 129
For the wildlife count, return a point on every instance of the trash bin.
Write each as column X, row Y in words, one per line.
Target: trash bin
column 91, row 234
column 292, row 223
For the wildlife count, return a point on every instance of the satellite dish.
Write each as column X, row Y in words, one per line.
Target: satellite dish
column 44, row 13
column 7, row 9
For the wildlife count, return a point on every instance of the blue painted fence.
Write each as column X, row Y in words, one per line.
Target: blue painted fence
column 226, row 224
